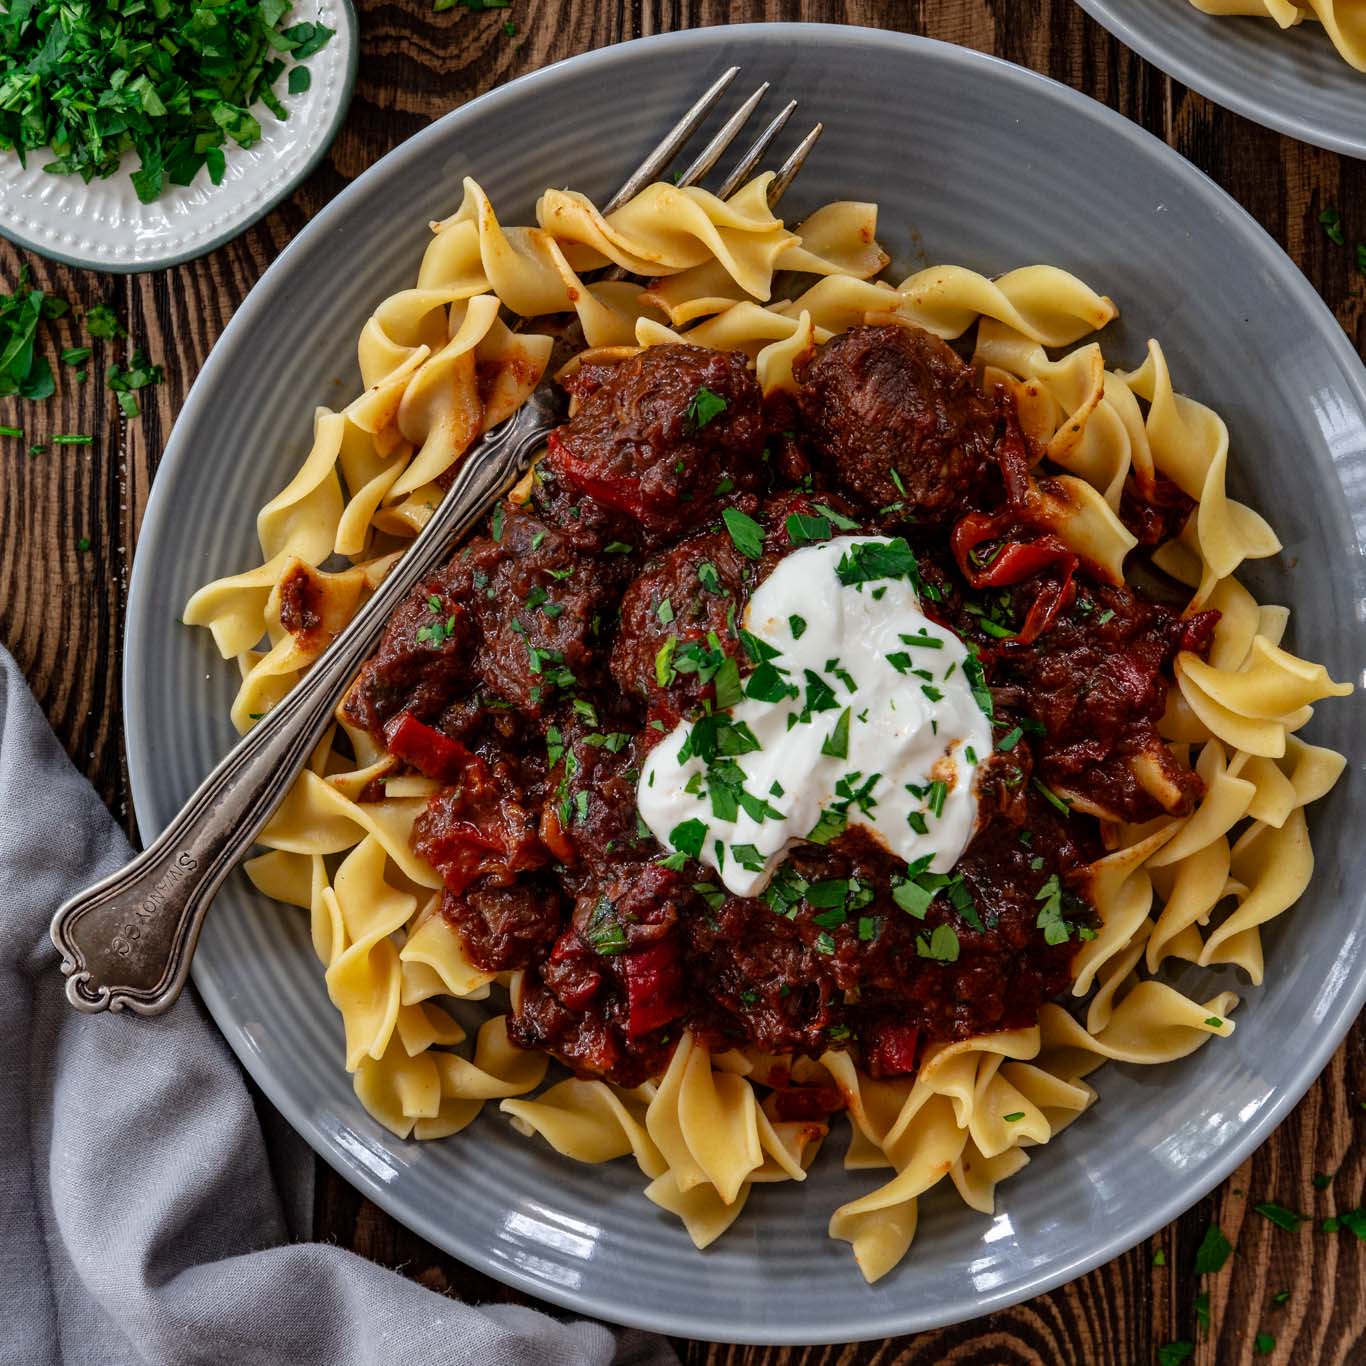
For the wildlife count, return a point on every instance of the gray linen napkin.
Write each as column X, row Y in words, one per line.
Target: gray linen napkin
column 139, row 1220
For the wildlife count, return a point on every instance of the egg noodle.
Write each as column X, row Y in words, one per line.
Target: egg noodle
column 439, row 364
column 1344, row 20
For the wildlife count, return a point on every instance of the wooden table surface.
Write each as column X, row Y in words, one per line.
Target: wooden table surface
column 61, row 614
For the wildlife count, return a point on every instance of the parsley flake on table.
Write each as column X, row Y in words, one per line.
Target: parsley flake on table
column 172, row 84
column 1279, row 1215
column 1213, row 1252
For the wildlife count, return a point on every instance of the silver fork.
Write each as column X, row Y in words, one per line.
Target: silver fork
column 127, row 940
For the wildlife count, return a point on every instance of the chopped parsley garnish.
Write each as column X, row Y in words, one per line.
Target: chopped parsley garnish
column 1052, row 797
column 604, row 933
column 1056, row 928
column 1280, row 1216
column 871, row 560
column 1105, row 616
column 103, row 323
column 806, row 530
column 938, row 794
column 617, row 548
column 831, row 825
column 836, row 745
column 170, row 83
column 1213, row 1252
column 24, row 370
column 932, row 692
column 707, row 577
column 125, row 383
column 1264, row 1344
column 1280, row 1297
column 767, row 684
column 825, row 942
column 711, row 894
column 704, row 407
column 1014, row 1118
column 1322, row 1180
column 942, row 945
column 867, row 928
column 665, row 611
column 12, row 431
column 1202, row 1314
column 747, row 534
column 664, row 669
column 797, row 625
column 916, row 820
column 727, row 683
column 820, row 696
column 756, row 647
column 1214, row 1022
column 689, row 837
column 436, row 633
column 499, row 516
column 1331, row 220
column 1010, row 739
column 748, row 857
column 1174, row 1353
column 554, row 745
column 839, row 520
column 977, row 681
column 1159, row 1258
column 716, row 734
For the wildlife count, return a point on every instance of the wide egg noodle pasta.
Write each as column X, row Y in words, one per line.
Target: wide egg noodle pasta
column 1344, row 20
column 440, row 363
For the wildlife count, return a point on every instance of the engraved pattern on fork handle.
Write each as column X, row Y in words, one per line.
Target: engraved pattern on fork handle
column 127, row 940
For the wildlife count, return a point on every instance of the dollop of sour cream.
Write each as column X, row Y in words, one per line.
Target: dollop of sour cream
column 862, row 711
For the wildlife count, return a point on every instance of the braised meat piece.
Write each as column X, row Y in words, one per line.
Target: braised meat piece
column 896, row 418
column 663, row 436
column 541, row 607
column 679, row 604
column 506, row 927
column 425, row 657
column 1097, row 684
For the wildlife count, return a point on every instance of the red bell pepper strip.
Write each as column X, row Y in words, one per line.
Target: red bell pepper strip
column 891, row 1050
column 427, row 749
column 654, row 987
column 584, row 476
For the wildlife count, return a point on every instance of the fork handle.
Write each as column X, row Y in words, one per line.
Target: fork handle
column 127, row 940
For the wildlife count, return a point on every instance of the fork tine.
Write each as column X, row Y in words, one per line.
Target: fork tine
column 787, row 172
column 756, row 150
column 723, row 137
column 672, row 143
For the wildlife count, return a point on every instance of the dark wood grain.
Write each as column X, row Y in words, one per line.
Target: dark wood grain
column 61, row 614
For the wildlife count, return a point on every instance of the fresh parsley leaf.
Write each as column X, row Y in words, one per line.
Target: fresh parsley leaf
column 747, row 534
column 806, row 530
column 704, row 407
column 1213, row 1252
column 837, row 743
column 941, row 946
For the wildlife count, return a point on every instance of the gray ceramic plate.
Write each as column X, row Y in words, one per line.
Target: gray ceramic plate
column 974, row 161
column 1294, row 81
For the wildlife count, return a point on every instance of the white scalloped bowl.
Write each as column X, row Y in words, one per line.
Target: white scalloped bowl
column 104, row 226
